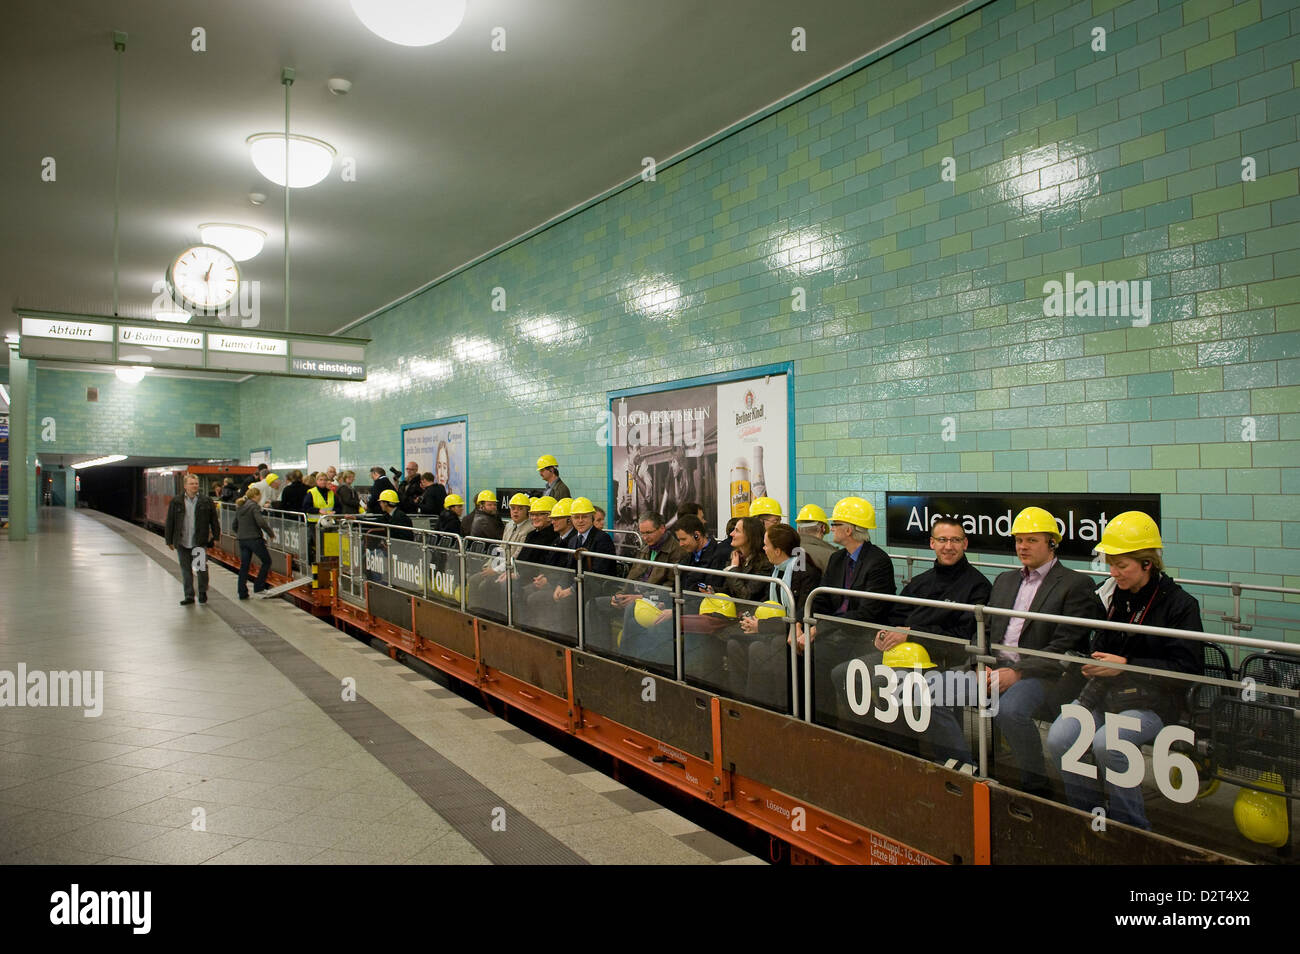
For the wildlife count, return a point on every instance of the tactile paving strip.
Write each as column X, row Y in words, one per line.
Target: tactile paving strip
column 466, row 804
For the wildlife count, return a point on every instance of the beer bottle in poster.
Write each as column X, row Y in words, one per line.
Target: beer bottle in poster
column 760, row 482
column 741, row 492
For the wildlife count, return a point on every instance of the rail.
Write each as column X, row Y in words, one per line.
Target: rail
column 288, row 530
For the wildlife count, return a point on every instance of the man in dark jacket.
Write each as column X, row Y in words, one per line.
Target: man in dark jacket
column 548, row 468
column 453, row 508
column 380, row 483
column 953, row 580
column 699, row 550
column 432, row 497
column 484, row 521
column 191, row 526
column 860, row 565
column 410, row 489
column 393, row 516
column 1032, row 687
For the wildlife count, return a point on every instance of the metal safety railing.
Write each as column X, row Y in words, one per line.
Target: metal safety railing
column 980, row 651
column 288, row 530
column 490, row 575
column 1233, row 618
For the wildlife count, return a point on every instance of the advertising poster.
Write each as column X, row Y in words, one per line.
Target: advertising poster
column 708, row 443
column 440, row 448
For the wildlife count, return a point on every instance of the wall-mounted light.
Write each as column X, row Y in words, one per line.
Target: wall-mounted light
column 410, row 22
column 130, row 375
column 310, row 159
column 241, row 241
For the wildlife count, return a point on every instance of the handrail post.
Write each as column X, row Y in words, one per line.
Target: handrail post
column 464, row 583
column 424, row 566
column 678, row 638
column 982, row 692
column 807, row 656
column 578, row 592
column 510, row 601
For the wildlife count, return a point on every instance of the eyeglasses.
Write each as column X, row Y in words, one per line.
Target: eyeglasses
column 942, row 540
column 840, row 523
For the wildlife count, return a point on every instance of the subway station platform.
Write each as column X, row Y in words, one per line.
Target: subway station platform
column 224, row 737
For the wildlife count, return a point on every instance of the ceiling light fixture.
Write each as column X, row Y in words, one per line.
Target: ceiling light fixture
column 241, row 241
column 179, row 317
column 310, row 160
column 130, row 375
column 96, row 461
column 410, row 22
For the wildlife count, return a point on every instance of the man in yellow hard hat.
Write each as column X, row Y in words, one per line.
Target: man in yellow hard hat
column 554, row 569
column 661, row 548
column 813, row 525
column 860, row 565
column 392, row 515
column 486, row 587
column 548, row 468
column 951, row 579
column 541, row 534
column 1143, row 595
column 766, row 509
column 484, row 521
column 1032, row 686
column 453, row 509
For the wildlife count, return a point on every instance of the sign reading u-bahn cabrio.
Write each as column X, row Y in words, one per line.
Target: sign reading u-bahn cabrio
column 51, row 336
column 987, row 518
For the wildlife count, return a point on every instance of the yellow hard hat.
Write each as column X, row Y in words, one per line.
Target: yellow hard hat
column 485, row 495
column 581, row 505
column 271, row 478
column 770, row 610
column 543, row 504
column 646, row 613
column 811, row 512
column 1129, row 531
column 1260, row 816
column 1036, row 520
column 907, row 656
column 561, row 508
column 764, row 506
column 722, row 605
column 520, row 500
column 856, row 511
column 390, row 496
column 547, row 460
column 453, row 500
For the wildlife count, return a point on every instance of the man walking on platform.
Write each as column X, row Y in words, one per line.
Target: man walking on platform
column 192, row 524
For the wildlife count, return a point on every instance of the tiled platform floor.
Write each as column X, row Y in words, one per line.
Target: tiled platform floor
column 207, row 752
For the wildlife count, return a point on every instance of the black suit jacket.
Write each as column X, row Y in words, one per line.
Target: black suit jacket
column 873, row 573
column 1063, row 592
column 598, row 541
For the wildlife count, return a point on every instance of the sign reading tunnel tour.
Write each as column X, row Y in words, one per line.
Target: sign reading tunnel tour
column 987, row 517
column 95, row 338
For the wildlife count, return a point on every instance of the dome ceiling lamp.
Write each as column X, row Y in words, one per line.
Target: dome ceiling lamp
column 410, row 22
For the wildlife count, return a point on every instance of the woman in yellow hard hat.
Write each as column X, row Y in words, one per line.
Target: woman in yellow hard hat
column 1144, row 595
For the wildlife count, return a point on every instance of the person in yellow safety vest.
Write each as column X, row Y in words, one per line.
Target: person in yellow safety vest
column 319, row 499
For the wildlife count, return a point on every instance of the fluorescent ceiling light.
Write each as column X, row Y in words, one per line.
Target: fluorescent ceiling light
column 410, row 22
column 310, row 159
column 95, row 462
column 241, row 241
column 130, row 375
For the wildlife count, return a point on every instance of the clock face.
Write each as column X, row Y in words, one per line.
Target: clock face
column 203, row 277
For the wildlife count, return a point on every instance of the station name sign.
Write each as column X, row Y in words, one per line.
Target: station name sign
column 987, row 517
column 100, row 340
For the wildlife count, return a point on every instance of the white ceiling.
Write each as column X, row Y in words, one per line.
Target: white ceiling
column 458, row 149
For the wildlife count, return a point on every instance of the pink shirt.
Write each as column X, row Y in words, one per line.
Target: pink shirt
column 1030, row 581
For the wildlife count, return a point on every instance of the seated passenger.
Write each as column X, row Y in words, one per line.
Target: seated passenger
column 861, row 565
column 698, row 551
column 556, row 572
column 952, row 579
column 661, row 547
column 1143, row 595
column 486, row 586
column 746, row 557
column 705, row 641
column 1032, row 686
column 599, row 521
column 541, row 534
column 483, row 522
column 392, row 516
column 758, row 656
column 813, row 527
column 452, row 509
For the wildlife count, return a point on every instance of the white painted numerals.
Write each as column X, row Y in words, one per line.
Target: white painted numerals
column 1163, row 761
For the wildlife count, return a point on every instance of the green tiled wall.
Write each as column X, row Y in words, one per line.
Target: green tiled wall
column 154, row 418
column 925, row 297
